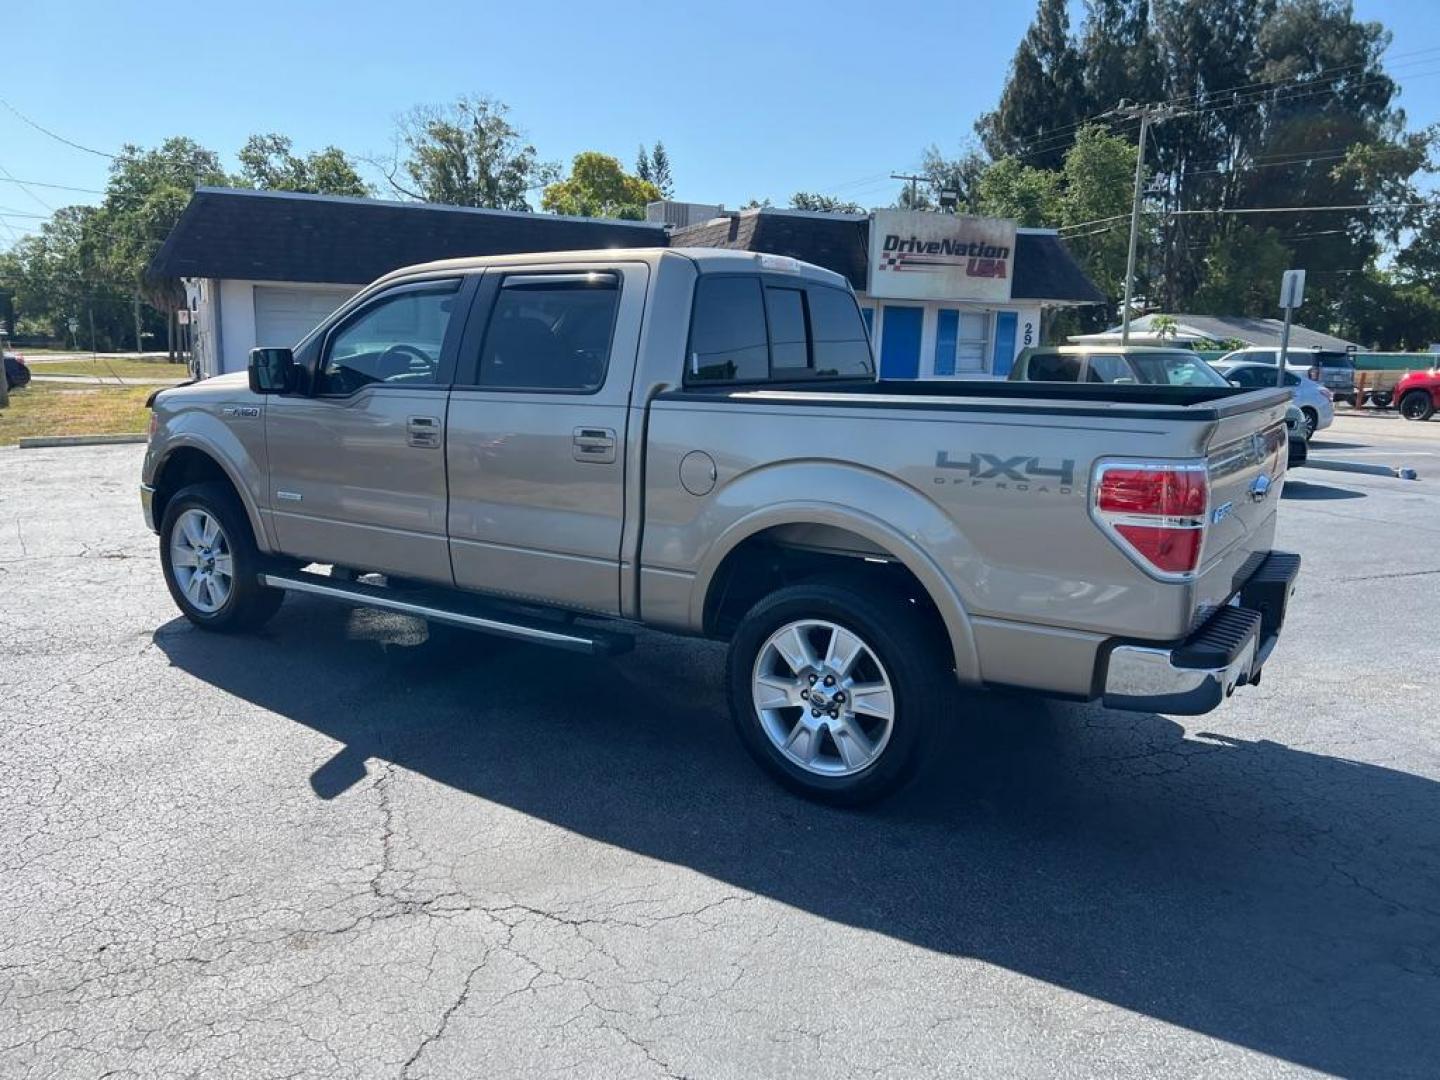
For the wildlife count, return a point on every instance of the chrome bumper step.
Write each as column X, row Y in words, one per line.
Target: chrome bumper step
column 455, row 610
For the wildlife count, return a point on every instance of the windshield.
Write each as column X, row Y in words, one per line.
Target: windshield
column 1175, row 369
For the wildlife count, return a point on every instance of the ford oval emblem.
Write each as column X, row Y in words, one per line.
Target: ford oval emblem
column 1260, row 488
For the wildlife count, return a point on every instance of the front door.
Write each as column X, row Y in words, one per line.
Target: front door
column 357, row 469
column 900, row 341
column 537, row 430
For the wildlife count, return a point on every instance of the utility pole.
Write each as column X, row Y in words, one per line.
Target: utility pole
column 914, row 185
column 1146, row 114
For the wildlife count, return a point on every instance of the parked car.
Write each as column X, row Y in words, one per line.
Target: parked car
column 1331, row 368
column 1316, row 402
column 17, row 373
column 1418, row 394
column 1114, row 364
column 561, row 447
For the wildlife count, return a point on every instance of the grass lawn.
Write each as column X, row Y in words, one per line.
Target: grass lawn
column 60, row 409
column 125, row 368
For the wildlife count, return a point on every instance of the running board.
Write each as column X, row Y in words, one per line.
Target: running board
column 571, row 636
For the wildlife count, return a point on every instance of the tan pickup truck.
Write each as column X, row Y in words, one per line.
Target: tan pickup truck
column 561, row 447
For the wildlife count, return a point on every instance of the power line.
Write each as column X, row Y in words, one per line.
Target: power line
column 26, row 189
column 57, row 187
column 58, row 138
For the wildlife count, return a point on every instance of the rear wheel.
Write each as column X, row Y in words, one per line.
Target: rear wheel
column 1312, row 421
column 1417, row 405
column 837, row 688
column 211, row 563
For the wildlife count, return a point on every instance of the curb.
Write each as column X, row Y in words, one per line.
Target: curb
column 35, row 442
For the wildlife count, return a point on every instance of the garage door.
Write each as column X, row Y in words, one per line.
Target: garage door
column 285, row 315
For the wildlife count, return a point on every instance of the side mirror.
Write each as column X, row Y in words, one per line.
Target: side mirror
column 272, row 371
column 1234, row 382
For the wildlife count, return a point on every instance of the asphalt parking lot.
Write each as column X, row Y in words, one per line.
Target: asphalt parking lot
column 349, row 847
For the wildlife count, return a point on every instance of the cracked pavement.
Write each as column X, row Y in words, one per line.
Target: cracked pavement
column 356, row 846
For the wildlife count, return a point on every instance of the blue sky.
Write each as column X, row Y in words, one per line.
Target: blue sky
column 753, row 99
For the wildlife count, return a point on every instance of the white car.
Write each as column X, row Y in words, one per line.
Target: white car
column 1316, row 402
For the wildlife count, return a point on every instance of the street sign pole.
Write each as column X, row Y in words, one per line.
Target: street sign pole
column 1292, row 294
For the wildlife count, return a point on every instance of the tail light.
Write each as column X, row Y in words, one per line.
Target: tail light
column 1155, row 512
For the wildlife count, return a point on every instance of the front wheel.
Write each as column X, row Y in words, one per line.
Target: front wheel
column 211, row 563
column 837, row 688
column 1417, row 405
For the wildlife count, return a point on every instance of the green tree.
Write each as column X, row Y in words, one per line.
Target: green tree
column 1280, row 103
column 1383, row 312
column 598, row 187
column 810, row 200
column 1033, row 197
column 468, row 154
column 1043, row 95
column 268, row 162
column 660, row 164
column 1119, row 55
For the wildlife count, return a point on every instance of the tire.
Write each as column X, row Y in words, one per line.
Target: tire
column 854, row 756
column 1380, row 401
column 1312, row 421
column 213, row 603
column 1417, row 405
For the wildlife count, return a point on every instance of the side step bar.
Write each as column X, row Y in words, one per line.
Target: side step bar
column 437, row 607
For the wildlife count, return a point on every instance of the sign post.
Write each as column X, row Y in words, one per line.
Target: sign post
column 1292, row 294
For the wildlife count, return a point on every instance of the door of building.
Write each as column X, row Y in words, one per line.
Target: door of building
column 900, row 331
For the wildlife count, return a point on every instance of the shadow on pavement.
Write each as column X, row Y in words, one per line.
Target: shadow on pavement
column 1304, row 489
column 1276, row 899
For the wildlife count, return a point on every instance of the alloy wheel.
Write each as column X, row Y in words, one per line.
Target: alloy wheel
column 201, row 560
column 823, row 697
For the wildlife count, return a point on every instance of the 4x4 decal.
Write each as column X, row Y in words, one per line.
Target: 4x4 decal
column 1023, row 472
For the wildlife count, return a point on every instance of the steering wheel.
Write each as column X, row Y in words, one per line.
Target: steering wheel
column 417, row 361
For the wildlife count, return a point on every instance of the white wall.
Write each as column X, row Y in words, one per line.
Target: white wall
column 237, row 323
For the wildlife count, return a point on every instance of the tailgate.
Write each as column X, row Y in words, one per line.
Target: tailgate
column 1245, row 459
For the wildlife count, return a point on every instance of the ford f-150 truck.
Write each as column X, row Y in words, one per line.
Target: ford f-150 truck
column 562, row 447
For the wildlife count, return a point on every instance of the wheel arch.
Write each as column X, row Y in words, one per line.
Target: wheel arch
column 840, row 536
column 191, row 460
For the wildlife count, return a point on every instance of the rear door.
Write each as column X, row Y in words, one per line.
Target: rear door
column 536, row 433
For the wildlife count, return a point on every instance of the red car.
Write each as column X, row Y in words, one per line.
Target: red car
column 1418, row 394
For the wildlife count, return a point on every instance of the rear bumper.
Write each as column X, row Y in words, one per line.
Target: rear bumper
column 1193, row 676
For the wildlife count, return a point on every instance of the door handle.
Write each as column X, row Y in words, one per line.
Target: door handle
column 423, row 431
column 596, row 445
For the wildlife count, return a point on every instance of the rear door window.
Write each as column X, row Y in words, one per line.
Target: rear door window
column 1177, row 368
column 550, row 332
column 727, row 331
column 1108, row 368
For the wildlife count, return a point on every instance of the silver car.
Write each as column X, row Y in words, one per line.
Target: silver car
column 1316, row 402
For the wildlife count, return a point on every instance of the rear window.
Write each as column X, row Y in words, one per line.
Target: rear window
column 1334, row 360
column 746, row 330
column 1053, row 367
column 840, row 344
